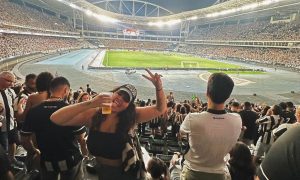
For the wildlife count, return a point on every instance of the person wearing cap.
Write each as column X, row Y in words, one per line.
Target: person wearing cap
column 108, row 132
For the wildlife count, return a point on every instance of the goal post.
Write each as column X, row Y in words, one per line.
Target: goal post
column 189, row 64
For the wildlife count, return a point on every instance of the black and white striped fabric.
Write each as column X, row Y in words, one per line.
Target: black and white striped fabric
column 277, row 132
column 267, row 124
column 132, row 158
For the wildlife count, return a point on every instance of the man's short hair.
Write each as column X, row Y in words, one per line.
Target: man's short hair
column 276, row 110
column 283, row 105
column 5, row 74
column 290, row 104
column 247, row 105
column 235, row 104
column 43, row 81
column 58, row 82
column 219, row 87
column 29, row 76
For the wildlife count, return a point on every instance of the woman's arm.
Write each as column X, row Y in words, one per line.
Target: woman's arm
column 144, row 114
column 80, row 113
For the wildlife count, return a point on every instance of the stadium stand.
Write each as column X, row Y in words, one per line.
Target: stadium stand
column 14, row 14
column 273, row 56
column 260, row 30
column 18, row 45
column 127, row 44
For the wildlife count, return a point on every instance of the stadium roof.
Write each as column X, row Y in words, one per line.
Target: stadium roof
column 175, row 6
column 217, row 11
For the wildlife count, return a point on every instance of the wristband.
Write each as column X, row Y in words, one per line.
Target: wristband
column 159, row 89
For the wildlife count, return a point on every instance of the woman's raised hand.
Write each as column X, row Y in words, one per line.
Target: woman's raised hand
column 154, row 78
column 101, row 100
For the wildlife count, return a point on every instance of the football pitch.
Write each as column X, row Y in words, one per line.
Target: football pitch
column 142, row 59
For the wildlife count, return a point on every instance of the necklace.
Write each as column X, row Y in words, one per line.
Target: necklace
column 55, row 97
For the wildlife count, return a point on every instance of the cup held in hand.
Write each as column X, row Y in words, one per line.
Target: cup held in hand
column 106, row 108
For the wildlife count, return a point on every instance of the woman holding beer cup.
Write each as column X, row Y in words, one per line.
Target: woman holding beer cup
column 110, row 117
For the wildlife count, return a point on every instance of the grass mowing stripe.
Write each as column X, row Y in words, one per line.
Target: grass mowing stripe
column 158, row 59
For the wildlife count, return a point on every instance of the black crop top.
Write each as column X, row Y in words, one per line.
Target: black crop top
column 106, row 145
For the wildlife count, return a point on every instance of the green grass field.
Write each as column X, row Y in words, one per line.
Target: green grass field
column 159, row 59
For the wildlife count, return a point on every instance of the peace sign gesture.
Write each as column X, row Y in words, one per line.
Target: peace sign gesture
column 155, row 79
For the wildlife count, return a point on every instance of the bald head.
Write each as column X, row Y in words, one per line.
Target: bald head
column 7, row 79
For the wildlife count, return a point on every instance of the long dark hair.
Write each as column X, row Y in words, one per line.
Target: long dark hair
column 241, row 159
column 157, row 168
column 126, row 117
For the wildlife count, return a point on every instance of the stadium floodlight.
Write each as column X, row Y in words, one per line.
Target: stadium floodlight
column 243, row 8
column 192, row 18
column 74, row 6
column 166, row 23
column 88, row 12
column 105, row 18
column 173, row 22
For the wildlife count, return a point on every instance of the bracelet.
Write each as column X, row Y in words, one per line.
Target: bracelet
column 159, row 89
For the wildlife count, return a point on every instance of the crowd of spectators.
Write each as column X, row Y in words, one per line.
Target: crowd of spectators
column 9, row 27
column 15, row 14
column 17, row 45
column 135, row 45
column 259, row 124
column 272, row 56
column 255, row 31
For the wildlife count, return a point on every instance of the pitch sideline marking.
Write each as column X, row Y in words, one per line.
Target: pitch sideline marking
column 237, row 81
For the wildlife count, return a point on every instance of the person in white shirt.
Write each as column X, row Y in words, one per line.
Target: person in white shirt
column 212, row 133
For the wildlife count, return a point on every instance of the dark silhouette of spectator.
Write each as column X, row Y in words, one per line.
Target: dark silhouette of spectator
column 88, row 89
column 286, row 126
column 241, row 166
column 157, row 170
column 5, row 167
column 249, row 118
column 235, row 107
column 142, row 126
column 288, row 113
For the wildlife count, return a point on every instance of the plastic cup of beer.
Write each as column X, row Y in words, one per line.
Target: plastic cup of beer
column 106, row 109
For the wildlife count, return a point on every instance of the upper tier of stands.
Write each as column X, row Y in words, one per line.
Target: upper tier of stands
column 14, row 14
column 260, row 30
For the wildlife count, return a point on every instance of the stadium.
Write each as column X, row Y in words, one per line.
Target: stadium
column 107, row 43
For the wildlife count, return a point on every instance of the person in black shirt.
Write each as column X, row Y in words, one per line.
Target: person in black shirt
column 249, row 118
column 287, row 114
column 282, row 160
column 57, row 147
